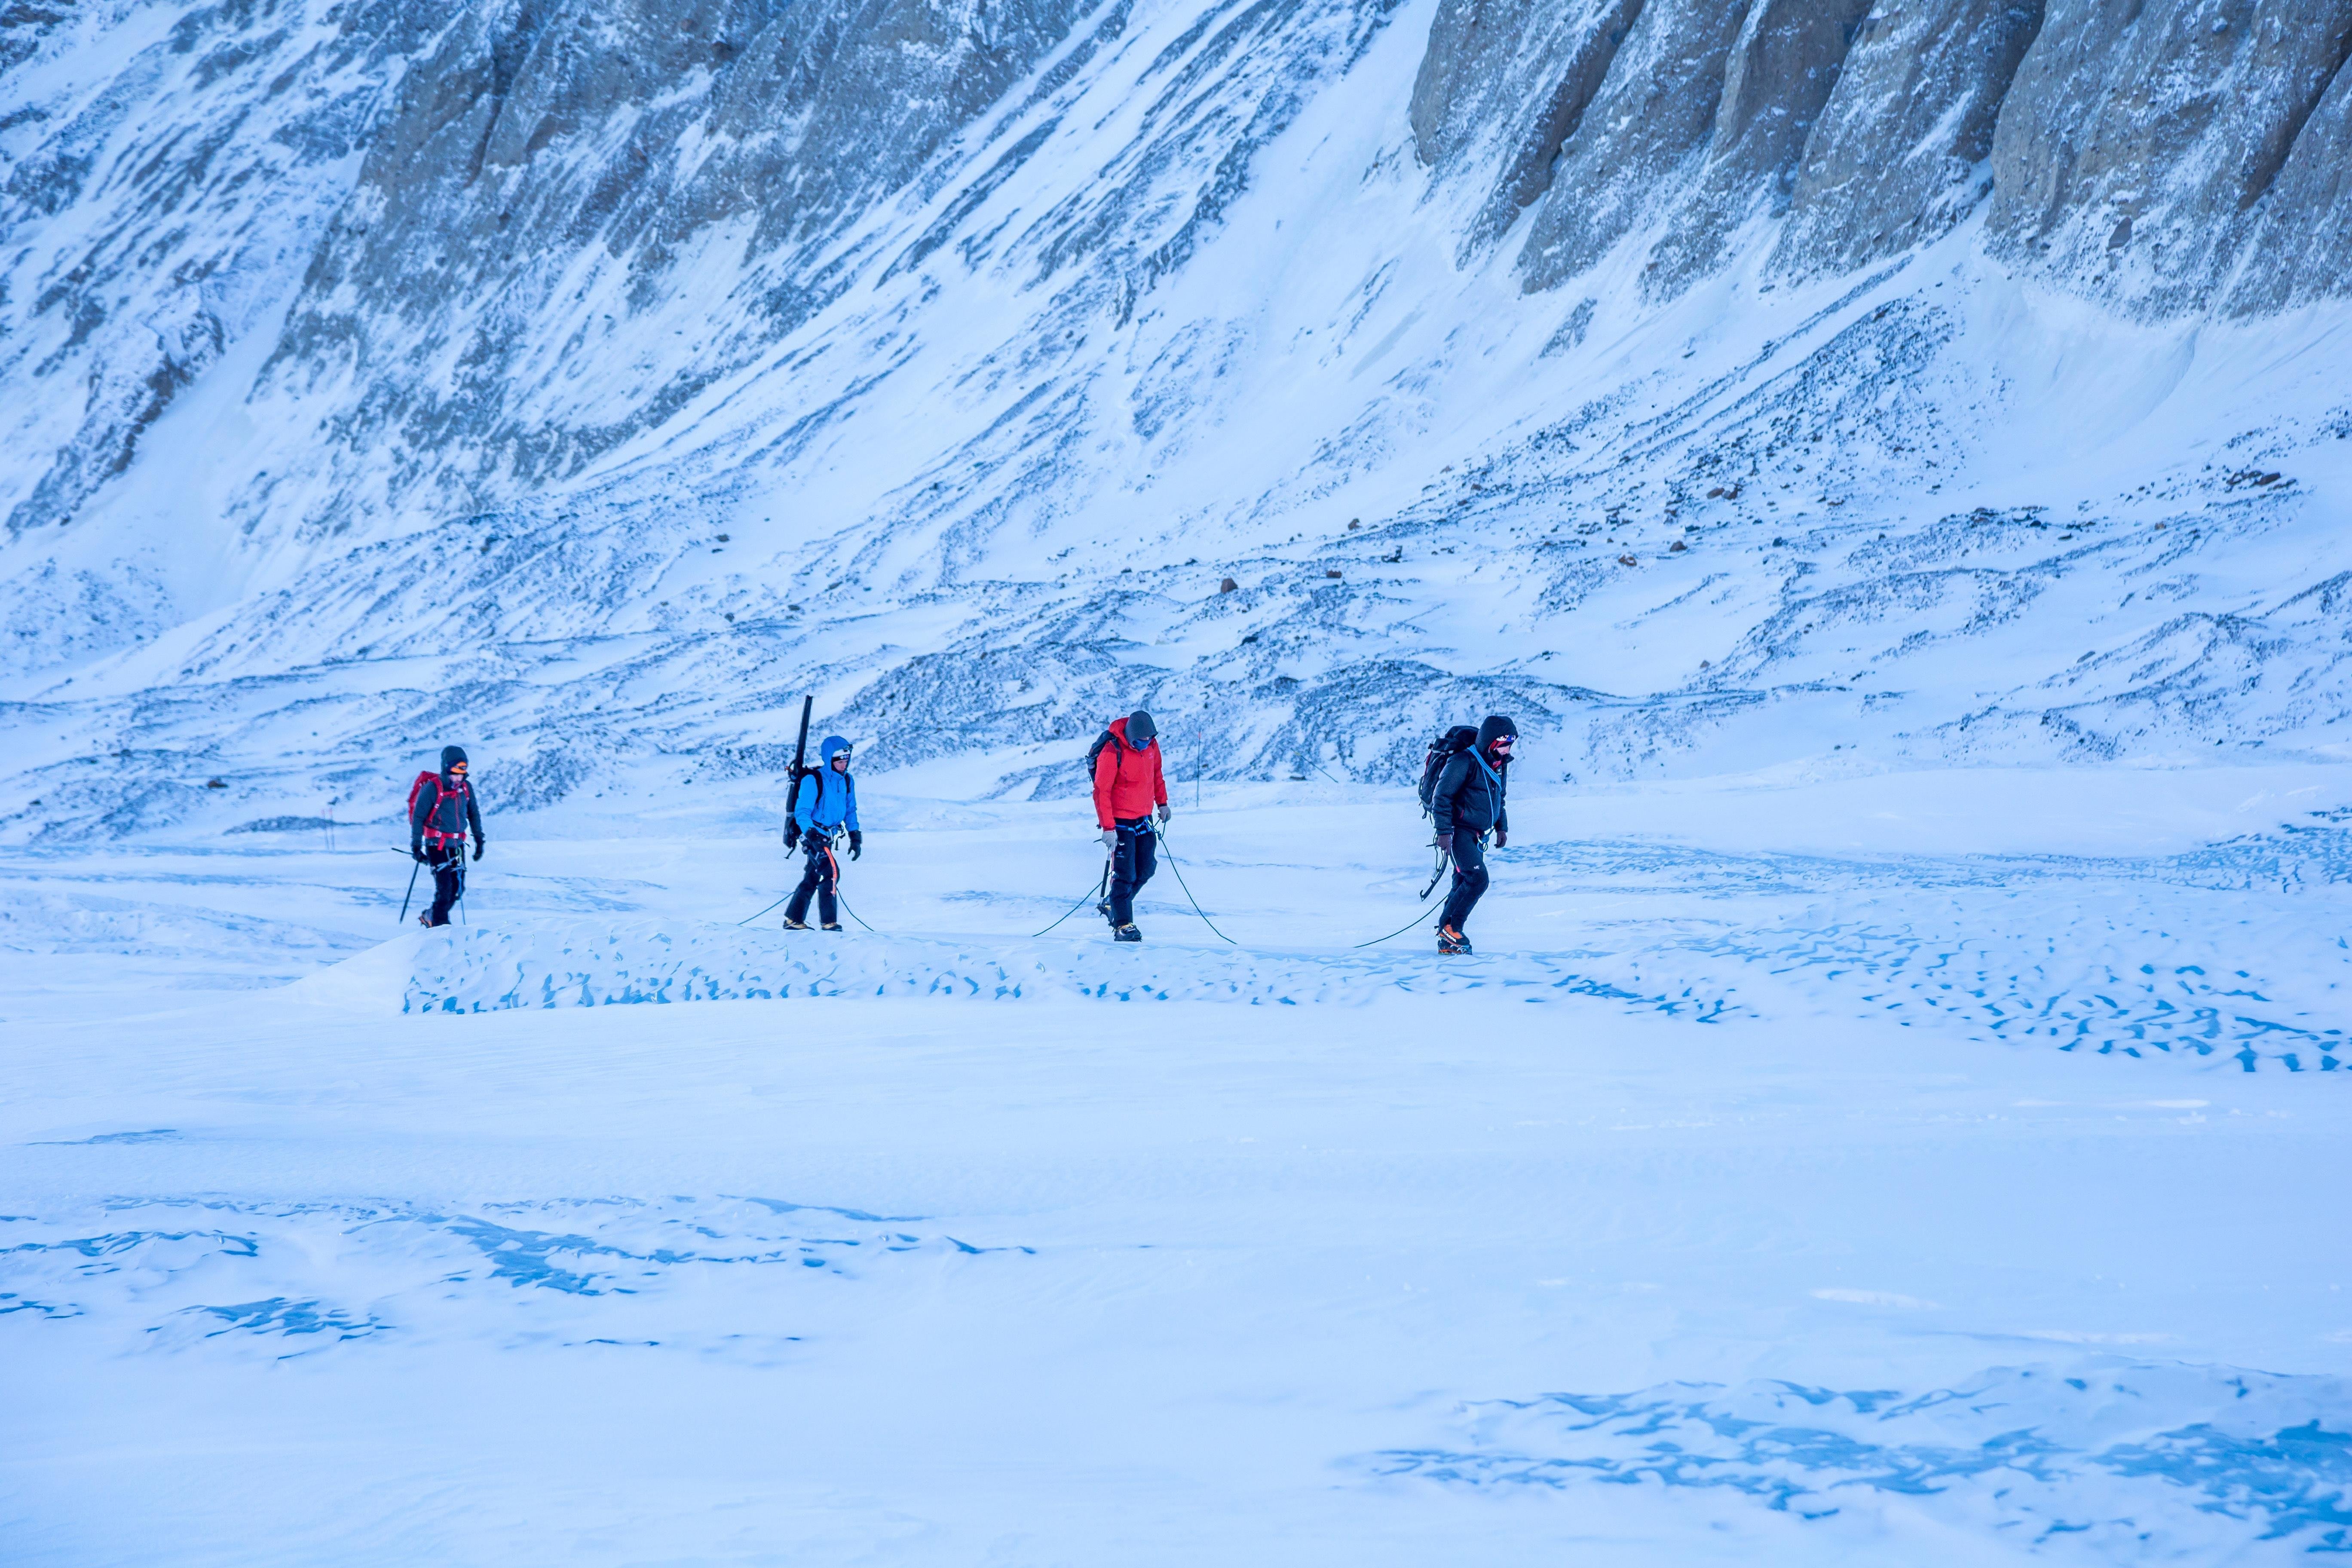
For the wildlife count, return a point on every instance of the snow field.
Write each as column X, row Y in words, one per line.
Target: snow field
column 1657, row 1232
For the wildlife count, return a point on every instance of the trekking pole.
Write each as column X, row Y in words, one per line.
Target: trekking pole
column 415, row 865
column 1188, row 889
column 1097, row 893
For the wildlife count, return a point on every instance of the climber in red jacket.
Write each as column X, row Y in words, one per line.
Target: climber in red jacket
column 1128, row 786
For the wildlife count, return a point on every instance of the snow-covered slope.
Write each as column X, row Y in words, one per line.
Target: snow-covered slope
column 1714, row 387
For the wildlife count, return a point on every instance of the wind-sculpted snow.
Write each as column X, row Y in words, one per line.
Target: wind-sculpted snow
column 2113, row 1458
column 1986, row 980
column 187, row 1275
column 582, row 964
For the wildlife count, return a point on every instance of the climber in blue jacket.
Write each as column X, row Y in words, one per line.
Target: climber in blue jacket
column 826, row 807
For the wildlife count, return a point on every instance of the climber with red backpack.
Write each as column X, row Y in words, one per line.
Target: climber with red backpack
column 440, row 809
column 1129, row 784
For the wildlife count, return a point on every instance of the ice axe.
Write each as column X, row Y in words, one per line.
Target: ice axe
column 413, row 869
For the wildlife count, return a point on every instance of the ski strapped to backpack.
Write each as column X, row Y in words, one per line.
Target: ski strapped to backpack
column 1457, row 740
column 792, row 776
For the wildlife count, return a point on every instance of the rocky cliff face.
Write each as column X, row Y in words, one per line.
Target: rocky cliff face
column 1665, row 369
column 2125, row 149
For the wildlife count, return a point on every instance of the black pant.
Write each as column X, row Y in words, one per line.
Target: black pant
column 1131, row 865
column 823, row 875
column 448, row 863
column 1469, row 879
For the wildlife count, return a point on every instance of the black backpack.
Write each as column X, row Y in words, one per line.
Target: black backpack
column 1095, row 750
column 1441, row 751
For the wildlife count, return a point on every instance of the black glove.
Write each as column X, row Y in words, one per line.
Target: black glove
column 416, row 853
column 1445, row 845
column 478, row 847
column 1501, row 839
column 856, row 843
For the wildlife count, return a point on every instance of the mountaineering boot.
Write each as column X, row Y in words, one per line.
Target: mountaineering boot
column 1102, row 908
column 1128, row 933
column 791, row 924
column 1451, row 942
column 832, row 925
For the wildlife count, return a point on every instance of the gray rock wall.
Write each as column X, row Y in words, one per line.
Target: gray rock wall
column 2127, row 149
column 154, row 215
column 2300, row 247
column 554, row 159
column 2139, row 134
column 1898, row 155
column 1528, row 67
column 1637, row 146
column 1779, row 75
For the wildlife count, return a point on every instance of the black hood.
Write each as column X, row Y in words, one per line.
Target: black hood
column 1140, row 728
column 451, row 756
column 1493, row 728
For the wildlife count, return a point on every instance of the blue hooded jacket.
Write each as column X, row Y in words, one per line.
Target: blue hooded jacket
column 826, row 800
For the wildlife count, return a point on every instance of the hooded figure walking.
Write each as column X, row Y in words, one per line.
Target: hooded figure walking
column 1128, row 786
column 1468, row 803
column 440, row 812
column 825, row 805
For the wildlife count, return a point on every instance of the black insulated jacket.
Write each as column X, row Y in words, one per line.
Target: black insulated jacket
column 1471, row 793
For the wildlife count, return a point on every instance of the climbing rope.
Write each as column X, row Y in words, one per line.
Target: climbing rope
column 1428, row 903
column 1187, row 887
column 853, row 914
column 1095, row 893
column 747, row 920
column 1402, row 929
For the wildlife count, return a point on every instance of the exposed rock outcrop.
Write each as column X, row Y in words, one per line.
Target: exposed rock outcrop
column 556, row 162
column 2300, row 248
column 1779, row 73
column 2139, row 134
column 1637, row 147
column 1899, row 155
column 1524, row 71
column 160, row 193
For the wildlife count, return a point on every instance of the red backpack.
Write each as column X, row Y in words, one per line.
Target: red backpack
column 434, row 837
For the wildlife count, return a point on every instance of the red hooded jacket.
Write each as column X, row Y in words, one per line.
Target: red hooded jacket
column 1127, row 781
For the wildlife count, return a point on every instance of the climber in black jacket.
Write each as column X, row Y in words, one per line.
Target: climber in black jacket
column 1468, row 803
column 440, row 809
